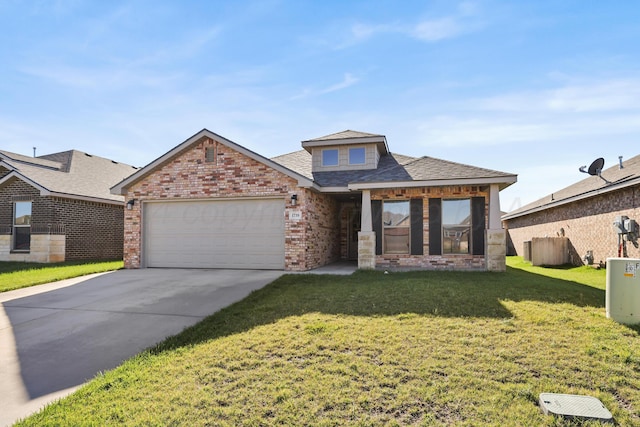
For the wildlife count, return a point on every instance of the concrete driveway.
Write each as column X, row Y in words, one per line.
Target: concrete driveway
column 55, row 337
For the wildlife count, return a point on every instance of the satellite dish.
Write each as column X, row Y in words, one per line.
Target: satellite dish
column 595, row 168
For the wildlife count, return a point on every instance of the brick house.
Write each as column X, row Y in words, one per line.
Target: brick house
column 211, row 203
column 58, row 207
column 584, row 214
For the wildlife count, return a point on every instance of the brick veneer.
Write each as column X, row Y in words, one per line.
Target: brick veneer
column 587, row 223
column 309, row 242
column 92, row 230
column 426, row 261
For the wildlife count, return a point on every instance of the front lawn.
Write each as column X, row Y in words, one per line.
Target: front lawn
column 374, row 349
column 16, row 275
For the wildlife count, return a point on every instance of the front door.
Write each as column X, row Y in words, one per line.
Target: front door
column 354, row 228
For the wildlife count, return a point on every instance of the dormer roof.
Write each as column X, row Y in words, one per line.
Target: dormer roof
column 348, row 137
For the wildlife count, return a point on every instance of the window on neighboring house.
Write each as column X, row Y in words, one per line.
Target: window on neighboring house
column 357, row 156
column 330, row 157
column 456, row 226
column 396, row 226
column 22, row 226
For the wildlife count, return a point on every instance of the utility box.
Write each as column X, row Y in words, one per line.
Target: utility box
column 549, row 251
column 622, row 299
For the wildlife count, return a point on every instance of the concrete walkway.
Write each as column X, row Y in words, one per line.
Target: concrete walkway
column 55, row 337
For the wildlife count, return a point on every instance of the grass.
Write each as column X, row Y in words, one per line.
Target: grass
column 374, row 349
column 16, row 275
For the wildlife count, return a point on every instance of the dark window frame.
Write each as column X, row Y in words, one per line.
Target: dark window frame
column 21, row 241
column 393, row 229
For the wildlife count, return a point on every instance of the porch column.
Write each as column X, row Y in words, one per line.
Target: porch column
column 366, row 236
column 496, row 236
column 494, row 208
column 366, row 223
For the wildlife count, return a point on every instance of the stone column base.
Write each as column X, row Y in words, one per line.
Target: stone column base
column 496, row 250
column 367, row 250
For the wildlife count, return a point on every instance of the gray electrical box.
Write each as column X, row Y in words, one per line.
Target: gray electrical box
column 619, row 224
column 630, row 225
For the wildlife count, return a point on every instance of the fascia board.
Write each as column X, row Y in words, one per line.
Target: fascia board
column 508, row 180
column 334, row 189
column 379, row 140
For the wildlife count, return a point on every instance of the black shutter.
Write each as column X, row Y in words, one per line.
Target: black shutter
column 477, row 225
column 376, row 218
column 435, row 226
column 417, row 231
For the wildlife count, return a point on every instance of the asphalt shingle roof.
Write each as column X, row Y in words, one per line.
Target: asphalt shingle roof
column 345, row 134
column 72, row 173
column 590, row 186
column 391, row 168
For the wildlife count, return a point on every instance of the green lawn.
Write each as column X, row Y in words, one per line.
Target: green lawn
column 374, row 349
column 16, row 275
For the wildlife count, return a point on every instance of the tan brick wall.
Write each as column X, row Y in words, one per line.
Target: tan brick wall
column 309, row 242
column 426, row 261
column 588, row 224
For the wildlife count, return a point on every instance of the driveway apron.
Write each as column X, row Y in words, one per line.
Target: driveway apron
column 55, row 337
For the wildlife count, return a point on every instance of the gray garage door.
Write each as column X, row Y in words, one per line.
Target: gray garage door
column 215, row 234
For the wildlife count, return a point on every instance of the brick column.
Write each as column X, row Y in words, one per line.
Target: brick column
column 366, row 237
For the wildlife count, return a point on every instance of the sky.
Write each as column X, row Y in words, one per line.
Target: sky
column 535, row 88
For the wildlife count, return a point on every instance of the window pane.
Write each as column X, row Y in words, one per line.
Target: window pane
column 329, row 157
column 455, row 240
column 455, row 212
column 396, row 240
column 22, row 238
column 356, row 156
column 456, row 226
column 396, row 213
column 23, row 213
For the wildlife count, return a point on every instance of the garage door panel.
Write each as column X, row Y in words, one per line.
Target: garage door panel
column 215, row 234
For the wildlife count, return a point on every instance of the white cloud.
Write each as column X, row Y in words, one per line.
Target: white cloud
column 349, row 80
column 438, row 29
column 586, row 97
column 463, row 20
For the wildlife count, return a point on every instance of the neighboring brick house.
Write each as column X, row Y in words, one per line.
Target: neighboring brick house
column 58, row 207
column 211, row 203
column 584, row 213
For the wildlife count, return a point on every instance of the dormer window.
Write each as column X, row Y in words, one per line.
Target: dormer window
column 357, row 156
column 330, row 157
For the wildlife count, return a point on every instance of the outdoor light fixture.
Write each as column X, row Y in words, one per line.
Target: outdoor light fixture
column 130, row 204
column 294, row 199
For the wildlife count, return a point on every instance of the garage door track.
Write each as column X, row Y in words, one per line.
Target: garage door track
column 55, row 337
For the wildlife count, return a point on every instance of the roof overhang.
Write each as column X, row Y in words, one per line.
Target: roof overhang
column 46, row 192
column 576, row 198
column 379, row 140
column 503, row 182
column 121, row 187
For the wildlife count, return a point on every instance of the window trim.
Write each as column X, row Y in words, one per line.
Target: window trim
column 391, row 227
column 326, row 150
column 21, row 226
column 364, row 156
